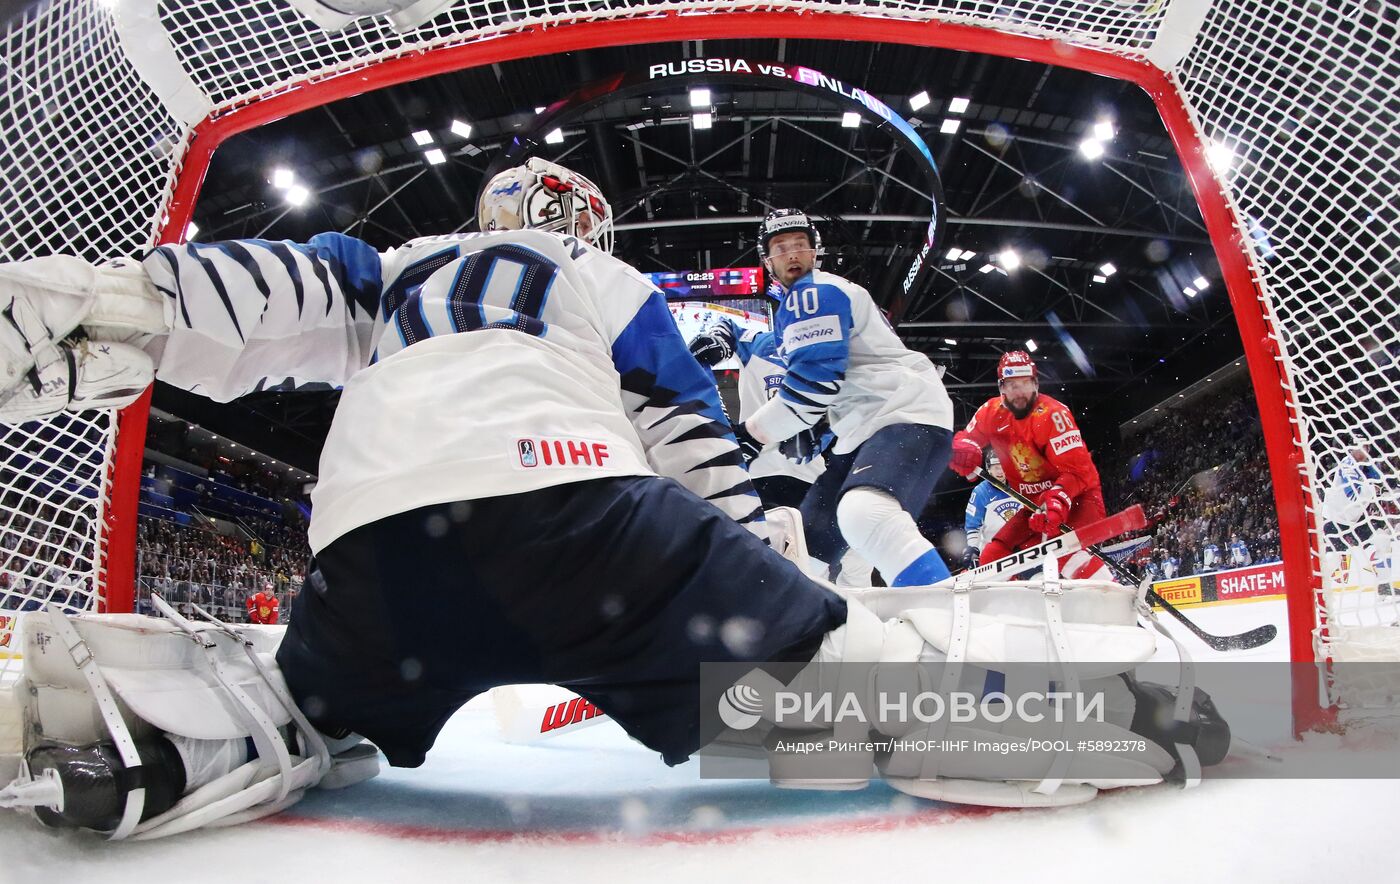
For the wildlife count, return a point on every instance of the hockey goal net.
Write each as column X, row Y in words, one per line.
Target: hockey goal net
column 113, row 108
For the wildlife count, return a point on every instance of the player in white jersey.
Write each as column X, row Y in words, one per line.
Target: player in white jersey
column 1358, row 516
column 1210, row 556
column 886, row 404
column 1239, row 555
column 782, row 475
column 528, row 479
column 988, row 509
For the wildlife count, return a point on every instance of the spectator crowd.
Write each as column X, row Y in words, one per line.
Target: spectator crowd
column 1202, row 476
column 197, row 565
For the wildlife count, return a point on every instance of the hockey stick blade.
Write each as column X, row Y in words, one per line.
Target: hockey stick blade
column 1242, row 642
column 525, row 724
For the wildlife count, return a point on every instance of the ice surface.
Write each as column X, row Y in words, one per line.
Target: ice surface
column 594, row 807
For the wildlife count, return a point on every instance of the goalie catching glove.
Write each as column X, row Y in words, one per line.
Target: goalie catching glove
column 43, row 369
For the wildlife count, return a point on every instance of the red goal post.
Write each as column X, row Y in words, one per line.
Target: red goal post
column 103, row 153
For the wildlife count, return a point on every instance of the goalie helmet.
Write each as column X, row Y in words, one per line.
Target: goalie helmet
column 781, row 221
column 1016, row 364
column 541, row 195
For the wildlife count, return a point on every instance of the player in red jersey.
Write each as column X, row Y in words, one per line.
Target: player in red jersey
column 1043, row 454
column 262, row 606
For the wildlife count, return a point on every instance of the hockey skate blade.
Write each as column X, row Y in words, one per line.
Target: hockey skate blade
column 821, row 785
column 806, row 761
column 355, row 765
column 987, row 793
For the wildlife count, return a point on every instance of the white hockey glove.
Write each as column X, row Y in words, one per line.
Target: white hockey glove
column 42, row 301
column 89, row 375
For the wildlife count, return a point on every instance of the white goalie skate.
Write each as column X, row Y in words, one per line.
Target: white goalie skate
column 141, row 727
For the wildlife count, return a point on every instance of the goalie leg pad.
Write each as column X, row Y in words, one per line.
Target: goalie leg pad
column 96, row 782
column 203, row 692
column 872, row 659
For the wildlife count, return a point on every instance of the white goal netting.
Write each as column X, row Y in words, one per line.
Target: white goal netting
column 111, row 109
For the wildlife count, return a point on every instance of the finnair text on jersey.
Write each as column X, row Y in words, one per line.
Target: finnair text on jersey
column 818, row 330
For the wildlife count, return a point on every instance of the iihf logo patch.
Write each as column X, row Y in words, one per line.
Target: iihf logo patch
column 561, row 451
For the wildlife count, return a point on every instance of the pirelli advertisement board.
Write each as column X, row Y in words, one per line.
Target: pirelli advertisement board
column 1239, row 584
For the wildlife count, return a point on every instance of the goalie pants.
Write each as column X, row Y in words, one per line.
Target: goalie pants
column 616, row 588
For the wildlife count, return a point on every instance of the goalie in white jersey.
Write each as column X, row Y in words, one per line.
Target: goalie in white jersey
column 528, row 479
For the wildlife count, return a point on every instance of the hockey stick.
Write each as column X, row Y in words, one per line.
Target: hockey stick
column 1065, row 543
column 1242, row 642
column 525, row 724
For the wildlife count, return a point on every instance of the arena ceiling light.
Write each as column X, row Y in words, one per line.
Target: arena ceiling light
column 282, row 178
column 1220, row 157
column 1107, row 268
column 435, row 156
column 1103, row 130
column 554, row 136
column 850, row 120
column 967, row 254
column 917, row 102
column 700, row 97
column 1092, row 148
column 958, row 105
column 540, row 109
column 985, row 268
column 1009, row 259
column 950, row 342
column 949, row 126
column 1189, row 292
column 1201, row 283
column 191, row 231
column 702, row 120
column 1099, row 277
column 422, row 138
column 1031, row 345
column 953, row 255
column 461, row 129
column 297, row 195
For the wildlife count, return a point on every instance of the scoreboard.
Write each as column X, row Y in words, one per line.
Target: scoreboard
column 697, row 298
column 704, row 285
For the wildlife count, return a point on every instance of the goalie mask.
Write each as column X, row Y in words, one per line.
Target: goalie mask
column 541, row 195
